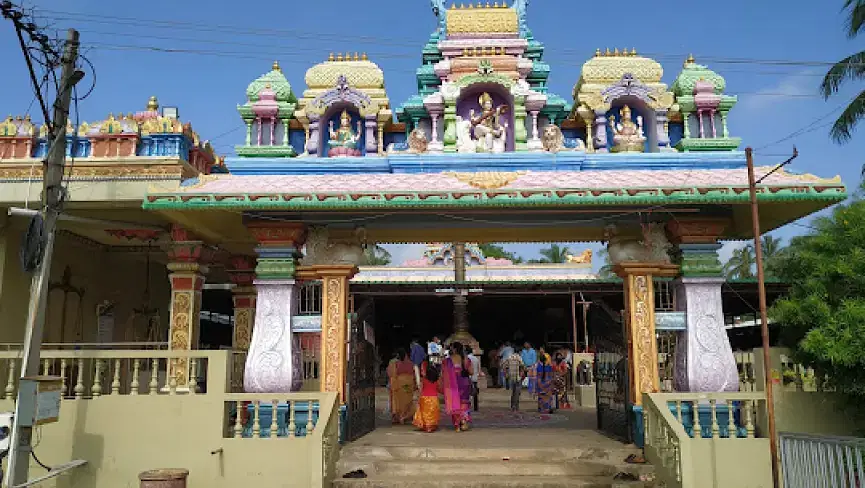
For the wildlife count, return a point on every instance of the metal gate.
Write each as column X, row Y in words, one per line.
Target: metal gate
column 360, row 388
column 611, row 373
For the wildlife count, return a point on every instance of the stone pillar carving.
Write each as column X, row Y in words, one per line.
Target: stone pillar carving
column 370, row 124
column 450, row 134
column 312, row 139
column 272, row 364
column 640, row 324
column 242, row 275
column 661, row 128
column 704, row 358
column 535, row 141
column 186, row 273
column 334, row 324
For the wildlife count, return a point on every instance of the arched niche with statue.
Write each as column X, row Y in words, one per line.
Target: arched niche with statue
column 342, row 122
column 484, row 114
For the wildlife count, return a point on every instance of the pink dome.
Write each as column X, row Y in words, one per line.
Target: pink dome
column 266, row 105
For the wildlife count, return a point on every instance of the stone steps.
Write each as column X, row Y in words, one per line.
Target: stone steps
column 446, row 481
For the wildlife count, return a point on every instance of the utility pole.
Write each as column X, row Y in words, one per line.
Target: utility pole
column 53, row 195
column 764, row 320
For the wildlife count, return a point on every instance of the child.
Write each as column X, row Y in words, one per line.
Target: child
column 427, row 415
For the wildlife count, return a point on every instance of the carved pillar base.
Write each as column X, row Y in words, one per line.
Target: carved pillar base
column 270, row 364
column 187, row 280
column 334, row 325
column 704, row 357
column 640, row 330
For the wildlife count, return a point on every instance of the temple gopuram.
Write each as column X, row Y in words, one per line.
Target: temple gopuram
column 234, row 290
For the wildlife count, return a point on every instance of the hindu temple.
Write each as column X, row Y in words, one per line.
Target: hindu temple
column 232, row 289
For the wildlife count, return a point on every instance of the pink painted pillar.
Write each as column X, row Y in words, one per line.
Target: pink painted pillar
column 272, row 130
column 259, row 130
column 435, row 127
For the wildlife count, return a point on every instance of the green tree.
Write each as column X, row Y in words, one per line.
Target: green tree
column 606, row 271
column 376, row 256
column 824, row 312
column 741, row 264
column 850, row 68
column 497, row 251
column 554, row 254
column 773, row 250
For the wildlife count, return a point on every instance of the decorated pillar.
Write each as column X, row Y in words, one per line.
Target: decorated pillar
column 312, row 139
column 273, row 361
column 370, row 125
column 187, row 255
column 450, row 135
column 640, row 324
column 521, row 134
column 704, row 358
column 601, row 131
column 334, row 324
column 242, row 275
column 661, row 128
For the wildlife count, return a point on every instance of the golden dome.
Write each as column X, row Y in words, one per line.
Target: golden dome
column 605, row 69
column 359, row 72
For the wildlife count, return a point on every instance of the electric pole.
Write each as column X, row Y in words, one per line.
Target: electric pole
column 53, row 195
column 764, row 319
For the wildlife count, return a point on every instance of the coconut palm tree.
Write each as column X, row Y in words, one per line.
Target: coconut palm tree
column 554, row 254
column 741, row 264
column 606, row 271
column 850, row 68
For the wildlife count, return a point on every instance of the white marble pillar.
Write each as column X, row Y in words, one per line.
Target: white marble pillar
column 535, row 143
column 704, row 358
column 270, row 362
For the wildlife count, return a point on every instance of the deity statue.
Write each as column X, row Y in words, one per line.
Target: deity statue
column 344, row 141
column 490, row 130
column 465, row 143
column 627, row 136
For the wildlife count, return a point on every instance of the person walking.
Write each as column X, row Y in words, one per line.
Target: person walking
column 476, row 371
column 402, row 387
column 530, row 358
column 514, row 374
column 417, row 356
column 428, row 413
column 504, row 353
column 456, row 384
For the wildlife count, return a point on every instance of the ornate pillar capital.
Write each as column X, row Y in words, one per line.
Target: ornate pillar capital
column 241, row 272
column 696, row 231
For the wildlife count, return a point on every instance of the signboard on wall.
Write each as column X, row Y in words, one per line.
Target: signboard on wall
column 105, row 322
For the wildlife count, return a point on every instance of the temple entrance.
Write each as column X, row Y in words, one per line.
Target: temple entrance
column 362, row 362
column 611, row 372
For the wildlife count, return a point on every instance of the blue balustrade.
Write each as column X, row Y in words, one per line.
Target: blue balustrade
column 170, row 145
column 265, row 415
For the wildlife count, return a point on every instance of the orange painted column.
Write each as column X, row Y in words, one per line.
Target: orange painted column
column 334, row 325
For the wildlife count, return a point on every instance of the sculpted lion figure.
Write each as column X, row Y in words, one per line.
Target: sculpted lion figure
column 652, row 248
column 552, row 139
column 320, row 249
column 417, row 141
column 583, row 258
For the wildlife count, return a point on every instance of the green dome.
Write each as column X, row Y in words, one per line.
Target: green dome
column 691, row 74
column 278, row 83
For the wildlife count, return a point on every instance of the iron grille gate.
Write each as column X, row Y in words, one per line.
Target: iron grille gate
column 361, row 373
column 611, row 374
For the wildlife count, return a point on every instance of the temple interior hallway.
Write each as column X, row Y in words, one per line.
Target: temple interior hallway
column 503, row 449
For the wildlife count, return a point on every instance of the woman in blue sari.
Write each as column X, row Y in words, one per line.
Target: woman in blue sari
column 544, row 378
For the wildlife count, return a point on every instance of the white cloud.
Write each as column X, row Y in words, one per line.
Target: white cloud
column 790, row 88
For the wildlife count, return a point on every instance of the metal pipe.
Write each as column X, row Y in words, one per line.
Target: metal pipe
column 26, row 212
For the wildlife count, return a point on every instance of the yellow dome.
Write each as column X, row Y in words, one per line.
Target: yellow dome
column 605, row 69
column 359, row 71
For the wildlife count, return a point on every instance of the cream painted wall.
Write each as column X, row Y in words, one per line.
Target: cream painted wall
column 112, row 276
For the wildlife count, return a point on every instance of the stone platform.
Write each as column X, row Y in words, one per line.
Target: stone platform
column 566, row 453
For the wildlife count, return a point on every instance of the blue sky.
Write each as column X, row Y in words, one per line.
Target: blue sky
column 233, row 43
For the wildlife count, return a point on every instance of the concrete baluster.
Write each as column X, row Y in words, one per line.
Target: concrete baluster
column 749, row 419
column 96, row 389
column 274, row 419
column 10, row 382
column 46, row 366
column 309, row 425
column 256, row 420
column 679, row 412
column 115, row 383
column 292, row 415
column 238, row 420
column 172, row 380
column 698, row 429
column 154, row 376
column 79, row 383
column 716, row 429
column 63, row 376
column 731, row 422
column 193, row 376
column 136, row 368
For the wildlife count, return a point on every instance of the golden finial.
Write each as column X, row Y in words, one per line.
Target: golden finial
column 152, row 104
column 488, row 3
column 616, row 52
column 276, row 67
column 598, row 52
column 608, row 52
column 339, row 57
column 633, row 51
column 331, row 58
column 496, row 5
column 363, row 57
column 690, row 59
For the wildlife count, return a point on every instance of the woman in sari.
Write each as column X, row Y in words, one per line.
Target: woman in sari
column 457, row 387
column 560, row 382
column 545, row 377
column 400, row 372
column 426, row 418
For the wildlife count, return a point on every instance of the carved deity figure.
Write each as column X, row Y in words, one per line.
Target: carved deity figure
column 344, row 141
column 627, row 135
column 465, row 143
column 490, row 130
column 417, row 141
column 652, row 248
column 322, row 249
column 584, row 258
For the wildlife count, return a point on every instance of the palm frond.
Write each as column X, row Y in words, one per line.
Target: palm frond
column 842, row 129
column 851, row 67
column 856, row 17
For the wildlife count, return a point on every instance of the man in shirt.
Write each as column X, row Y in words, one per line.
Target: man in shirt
column 434, row 350
column 476, row 369
column 506, row 352
column 514, row 374
column 417, row 356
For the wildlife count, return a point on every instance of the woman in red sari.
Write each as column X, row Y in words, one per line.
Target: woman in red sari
column 428, row 411
column 457, row 386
